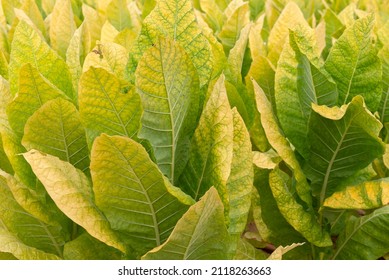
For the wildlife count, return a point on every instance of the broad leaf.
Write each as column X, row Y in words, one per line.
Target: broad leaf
column 169, row 88
column 239, row 18
column 304, row 222
column 62, row 26
column 119, row 15
column 28, row 47
column 131, row 192
column 355, row 66
column 364, row 238
column 299, row 82
column 368, row 195
column 85, row 247
column 30, row 230
column 38, row 205
column 109, row 56
column 280, row 144
column 210, row 155
column 175, row 19
column 290, row 17
column 270, row 223
column 34, row 91
column 72, row 193
column 342, row 141
column 199, row 235
column 56, row 129
column 106, row 107
column 10, row 243
column 11, row 142
column 246, row 251
column 240, row 181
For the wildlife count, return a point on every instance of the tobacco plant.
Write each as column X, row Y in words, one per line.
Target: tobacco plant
column 178, row 129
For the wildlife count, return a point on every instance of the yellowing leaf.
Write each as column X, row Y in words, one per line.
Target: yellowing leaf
column 354, row 65
column 62, row 26
column 175, row 19
column 31, row 9
column 130, row 190
column 11, row 244
column 34, row 91
column 199, row 235
column 290, row 17
column 106, row 107
column 14, row 219
column 210, row 156
column 28, row 47
column 240, row 181
column 367, row 195
column 277, row 254
column 56, row 129
column 235, row 22
column 300, row 80
column 109, row 56
column 71, row 191
column 304, row 222
column 280, row 144
column 168, row 85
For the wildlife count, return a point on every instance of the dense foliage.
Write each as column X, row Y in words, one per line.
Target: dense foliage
column 179, row 129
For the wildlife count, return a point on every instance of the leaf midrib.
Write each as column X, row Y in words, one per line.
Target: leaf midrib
column 149, row 202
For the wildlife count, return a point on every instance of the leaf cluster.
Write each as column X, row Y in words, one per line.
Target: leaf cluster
column 180, row 129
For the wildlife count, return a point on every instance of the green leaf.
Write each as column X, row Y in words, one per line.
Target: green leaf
column 85, row 247
column 342, row 141
column 168, row 85
column 210, row 155
column 131, row 192
column 28, row 47
column 270, row 223
column 384, row 105
column 280, row 144
column 119, row 15
column 38, row 205
column 103, row 106
column 367, row 195
column 176, row 19
column 11, row 141
column 34, row 91
column 236, row 55
column 4, row 161
column 256, row 7
column 199, row 235
column 364, row 238
column 232, row 27
column 72, row 193
column 62, row 26
column 241, row 178
column 246, row 251
column 56, row 129
column 11, row 244
column 355, row 66
column 290, row 17
column 299, row 82
column 30, row 230
column 304, row 222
